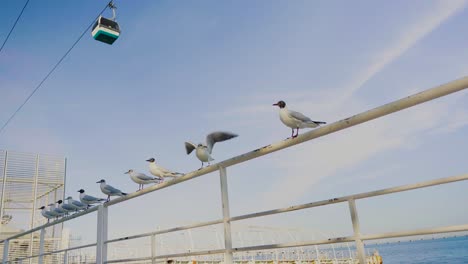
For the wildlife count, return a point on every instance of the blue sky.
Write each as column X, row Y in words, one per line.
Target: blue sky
column 183, row 69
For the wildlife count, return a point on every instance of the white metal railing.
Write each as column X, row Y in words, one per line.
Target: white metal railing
column 102, row 210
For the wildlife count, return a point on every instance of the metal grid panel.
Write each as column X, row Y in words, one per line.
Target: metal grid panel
column 28, row 181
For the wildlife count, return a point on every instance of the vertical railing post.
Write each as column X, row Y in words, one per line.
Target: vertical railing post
column 6, row 246
column 153, row 248
column 357, row 232
column 101, row 246
column 65, row 257
column 33, row 215
column 2, row 201
column 226, row 216
column 41, row 246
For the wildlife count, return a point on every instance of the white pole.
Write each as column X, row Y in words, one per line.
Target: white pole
column 65, row 257
column 41, row 246
column 153, row 249
column 101, row 246
column 6, row 246
column 226, row 216
column 357, row 231
column 34, row 197
column 2, row 202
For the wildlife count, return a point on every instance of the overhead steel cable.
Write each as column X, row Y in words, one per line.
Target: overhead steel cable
column 14, row 25
column 53, row 69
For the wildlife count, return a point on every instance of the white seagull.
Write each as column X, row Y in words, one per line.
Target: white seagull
column 67, row 207
column 142, row 178
column 88, row 199
column 77, row 204
column 161, row 172
column 203, row 152
column 59, row 208
column 109, row 190
column 46, row 213
column 52, row 210
column 295, row 120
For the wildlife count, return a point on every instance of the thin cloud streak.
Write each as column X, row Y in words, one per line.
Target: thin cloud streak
column 408, row 39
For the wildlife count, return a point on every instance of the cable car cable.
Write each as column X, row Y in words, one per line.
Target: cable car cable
column 52, row 70
column 14, row 25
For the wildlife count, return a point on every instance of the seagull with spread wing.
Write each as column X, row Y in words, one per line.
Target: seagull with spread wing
column 203, row 152
column 295, row 120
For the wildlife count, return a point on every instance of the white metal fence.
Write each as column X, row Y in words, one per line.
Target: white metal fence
column 102, row 240
column 26, row 181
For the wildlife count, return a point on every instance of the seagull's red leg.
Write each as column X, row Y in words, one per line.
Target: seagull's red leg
column 297, row 133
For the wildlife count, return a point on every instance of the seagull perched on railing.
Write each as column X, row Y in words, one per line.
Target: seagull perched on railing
column 161, row 172
column 109, row 190
column 67, row 207
column 203, row 152
column 295, row 120
column 59, row 209
column 45, row 213
column 142, row 178
column 76, row 204
column 88, row 199
column 52, row 210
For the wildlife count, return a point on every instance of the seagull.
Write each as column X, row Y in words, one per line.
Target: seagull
column 203, row 152
column 67, row 207
column 142, row 178
column 52, row 210
column 295, row 120
column 88, row 199
column 77, row 204
column 46, row 213
column 159, row 171
column 59, row 208
column 109, row 190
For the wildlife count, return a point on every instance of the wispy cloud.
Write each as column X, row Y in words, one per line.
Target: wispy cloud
column 406, row 40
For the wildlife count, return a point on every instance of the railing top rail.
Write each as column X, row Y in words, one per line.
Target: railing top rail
column 357, row 119
column 61, row 220
column 395, row 106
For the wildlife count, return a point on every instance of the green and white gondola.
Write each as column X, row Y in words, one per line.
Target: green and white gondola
column 106, row 30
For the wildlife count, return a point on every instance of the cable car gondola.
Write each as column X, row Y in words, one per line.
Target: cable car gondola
column 106, row 30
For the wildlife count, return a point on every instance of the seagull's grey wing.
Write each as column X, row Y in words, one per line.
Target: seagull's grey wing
column 189, row 147
column 90, row 198
column 144, row 177
column 49, row 215
column 78, row 203
column 112, row 190
column 218, row 136
column 299, row 116
column 68, row 207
